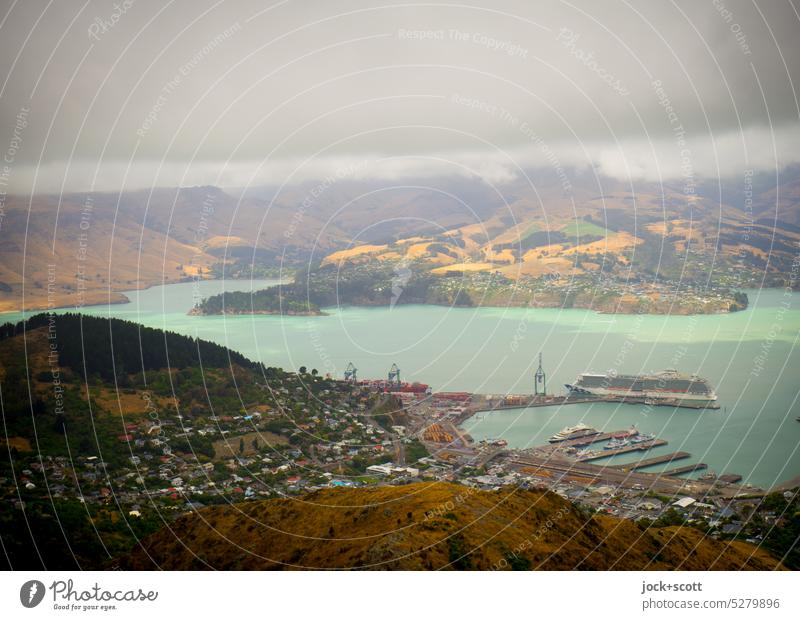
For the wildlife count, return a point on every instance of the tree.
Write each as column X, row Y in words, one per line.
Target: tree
column 303, row 370
column 241, row 445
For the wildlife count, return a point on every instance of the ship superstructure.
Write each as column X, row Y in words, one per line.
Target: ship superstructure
column 668, row 386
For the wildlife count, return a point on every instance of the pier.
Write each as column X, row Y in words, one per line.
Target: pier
column 656, row 460
column 685, row 469
column 638, row 447
column 577, row 442
column 486, row 403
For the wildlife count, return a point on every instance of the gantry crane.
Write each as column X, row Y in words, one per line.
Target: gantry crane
column 540, row 380
column 350, row 373
column 394, row 375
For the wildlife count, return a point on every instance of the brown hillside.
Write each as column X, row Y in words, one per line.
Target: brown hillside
column 428, row 526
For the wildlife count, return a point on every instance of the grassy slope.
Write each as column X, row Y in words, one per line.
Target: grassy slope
column 576, row 229
column 387, row 528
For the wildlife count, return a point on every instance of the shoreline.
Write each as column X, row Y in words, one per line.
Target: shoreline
column 619, row 309
column 474, row 307
column 123, row 295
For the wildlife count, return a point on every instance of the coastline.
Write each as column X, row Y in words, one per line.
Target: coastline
column 93, row 300
column 113, row 295
column 618, row 305
column 623, row 310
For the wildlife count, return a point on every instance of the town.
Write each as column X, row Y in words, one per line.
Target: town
column 309, row 432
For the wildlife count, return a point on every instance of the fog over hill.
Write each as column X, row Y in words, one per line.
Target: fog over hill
column 238, row 94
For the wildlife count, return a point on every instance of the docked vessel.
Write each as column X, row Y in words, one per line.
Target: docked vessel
column 666, row 387
column 616, row 444
column 631, row 432
column 573, row 432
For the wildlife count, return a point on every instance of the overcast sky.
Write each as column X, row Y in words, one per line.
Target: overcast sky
column 111, row 95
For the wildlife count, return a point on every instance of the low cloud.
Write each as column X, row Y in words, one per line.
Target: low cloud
column 233, row 94
column 725, row 155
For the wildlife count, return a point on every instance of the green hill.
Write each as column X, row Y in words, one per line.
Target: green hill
column 426, row 527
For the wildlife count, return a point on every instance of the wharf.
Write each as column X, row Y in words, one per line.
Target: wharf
column 639, row 447
column 557, row 467
column 588, row 473
column 657, row 402
column 730, row 478
column 685, row 469
column 584, row 440
column 487, row 403
column 655, row 460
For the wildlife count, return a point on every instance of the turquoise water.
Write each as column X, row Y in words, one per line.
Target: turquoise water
column 752, row 358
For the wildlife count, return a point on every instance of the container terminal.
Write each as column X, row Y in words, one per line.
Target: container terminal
column 573, row 454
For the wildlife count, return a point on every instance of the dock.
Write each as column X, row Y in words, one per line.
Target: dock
column 585, row 440
column 685, row 469
column 638, row 447
column 589, row 473
column 577, row 442
column 730, row 478
column 656, row 460
column 487, row 403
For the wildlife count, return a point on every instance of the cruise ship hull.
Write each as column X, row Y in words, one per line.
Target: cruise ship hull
column 666, row 388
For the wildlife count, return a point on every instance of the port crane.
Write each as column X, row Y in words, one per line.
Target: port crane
column 394, row 375
column 350, row 373
column 540, row 380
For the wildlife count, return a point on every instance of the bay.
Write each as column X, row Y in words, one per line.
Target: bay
column 752, row 358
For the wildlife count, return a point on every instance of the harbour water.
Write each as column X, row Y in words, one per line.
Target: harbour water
column 752, row 358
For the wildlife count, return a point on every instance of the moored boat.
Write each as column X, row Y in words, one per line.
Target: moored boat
column 616, row 444
column 573, row 432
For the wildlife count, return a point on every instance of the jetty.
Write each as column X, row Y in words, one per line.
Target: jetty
column 655, row 460
column 637, row 447
column 684, row 469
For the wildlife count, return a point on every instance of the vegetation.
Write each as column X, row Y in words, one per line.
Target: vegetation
column 784, row 533
column 80, row 380
column 581, row 230
column 325, row 286
column 90, row 345
column 97, row 535
column 97, row 455
column 651, row 267
column 405, row 528
column 415, row 450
